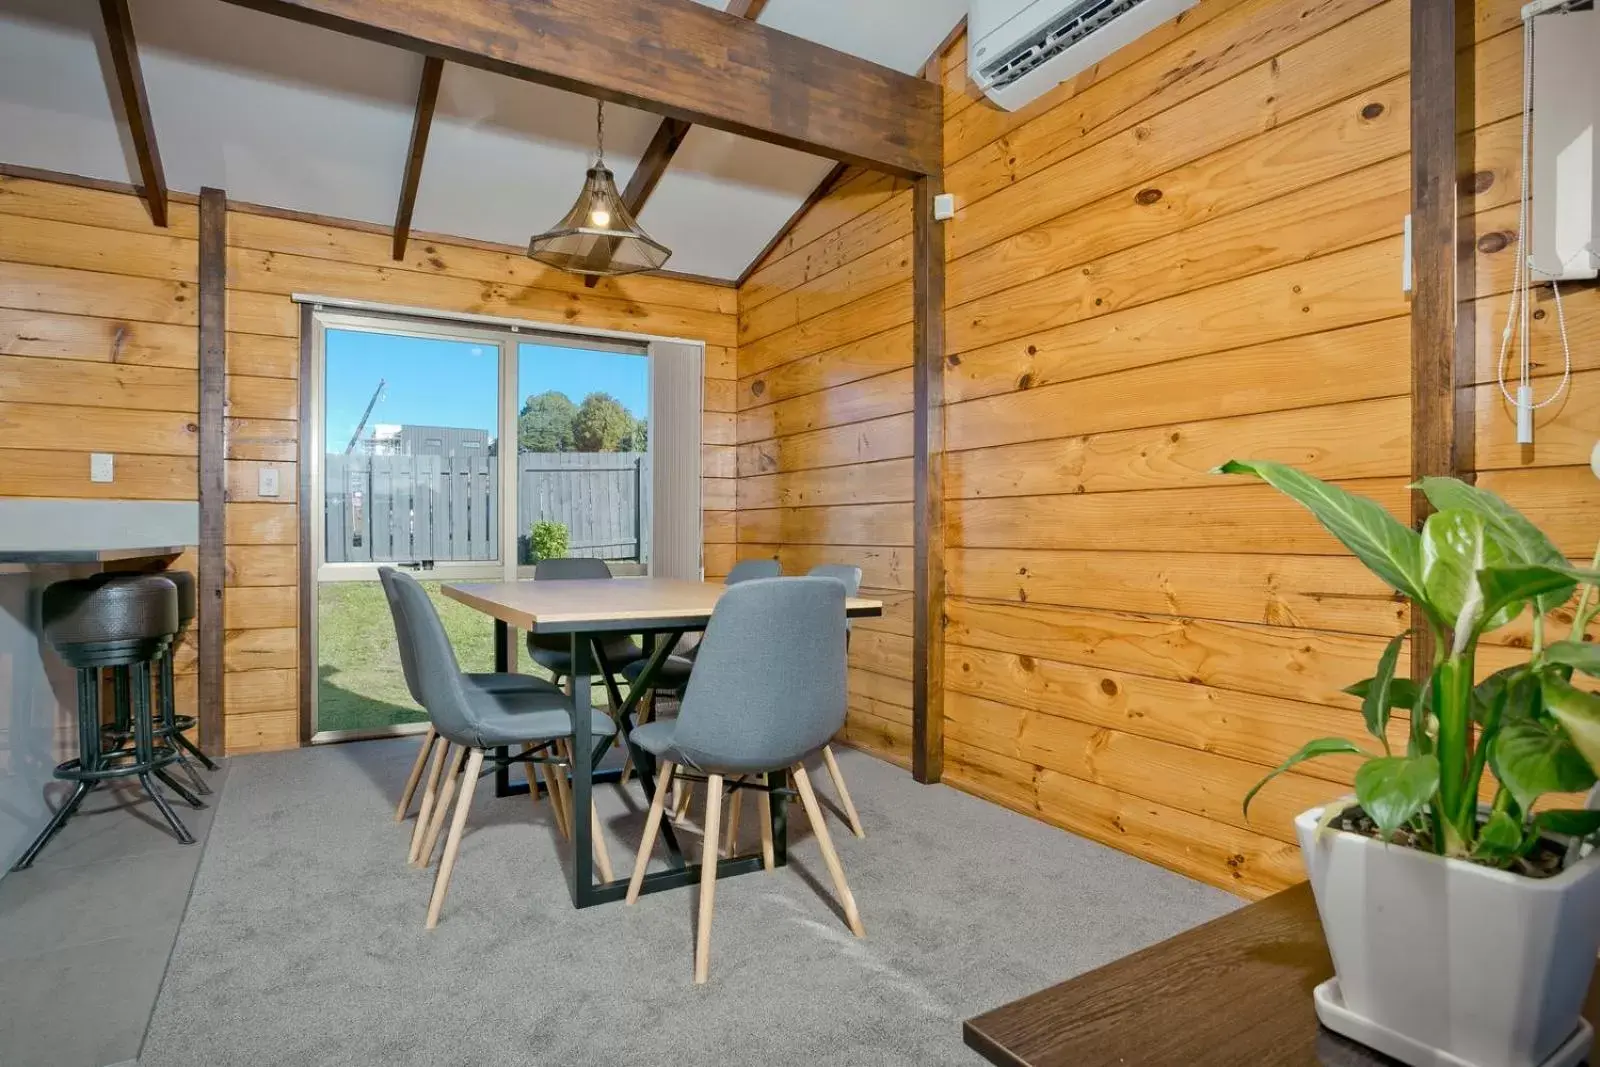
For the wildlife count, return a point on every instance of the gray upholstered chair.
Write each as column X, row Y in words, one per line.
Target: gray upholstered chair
column 851, row 577
column 554, row 651
column 767, row 692
column 492, row 683
column 674, row 673
column 473, row 721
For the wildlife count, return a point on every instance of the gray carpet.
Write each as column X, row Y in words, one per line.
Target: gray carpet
column 304, row 939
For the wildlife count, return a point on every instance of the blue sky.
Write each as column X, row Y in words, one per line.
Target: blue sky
column 436, row 382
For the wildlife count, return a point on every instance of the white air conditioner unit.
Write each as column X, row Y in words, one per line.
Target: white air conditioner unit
column 1566, row 145
column 1018, row 50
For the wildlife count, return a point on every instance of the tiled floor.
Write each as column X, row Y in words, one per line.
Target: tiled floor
column 85, row 933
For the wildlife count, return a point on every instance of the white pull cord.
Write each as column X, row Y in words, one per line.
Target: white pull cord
column 1520, row 314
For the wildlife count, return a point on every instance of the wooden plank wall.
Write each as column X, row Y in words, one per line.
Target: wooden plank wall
column 1192, row 254
column 98, row 353
column 824, row 426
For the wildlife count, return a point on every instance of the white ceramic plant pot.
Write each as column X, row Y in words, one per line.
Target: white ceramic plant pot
column 1483, row 965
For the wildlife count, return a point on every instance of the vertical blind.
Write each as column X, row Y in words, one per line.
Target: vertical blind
column 675, row 428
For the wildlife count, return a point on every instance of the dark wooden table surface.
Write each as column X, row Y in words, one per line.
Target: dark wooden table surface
column 1235, row 991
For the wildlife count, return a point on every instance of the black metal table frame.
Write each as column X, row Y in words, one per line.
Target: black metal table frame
column 661, row 637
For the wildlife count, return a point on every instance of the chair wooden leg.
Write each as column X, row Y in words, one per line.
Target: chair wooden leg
column 441, row 810
column 447, row 865
column 430, row 793
column 602, row 854
column 708, row 879
column 808, row 797
column 844, row 794
column 652, row 826
column 735, row 806
column 764, row 813
column 560, row 797
column 682, row 793
column 416, row 774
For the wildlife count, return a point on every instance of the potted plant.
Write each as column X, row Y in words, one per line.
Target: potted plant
column 1461, row 931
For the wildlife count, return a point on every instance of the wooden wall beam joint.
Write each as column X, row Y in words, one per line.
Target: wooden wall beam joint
column 135, row 105
column 213, row 489
column 421, row 125
column 927, row 627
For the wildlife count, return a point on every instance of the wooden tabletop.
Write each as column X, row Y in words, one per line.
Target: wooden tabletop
column 605, row 604
column 1235, row 991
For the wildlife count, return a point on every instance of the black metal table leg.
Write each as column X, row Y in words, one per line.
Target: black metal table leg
column 582, row 868
column 503, row 651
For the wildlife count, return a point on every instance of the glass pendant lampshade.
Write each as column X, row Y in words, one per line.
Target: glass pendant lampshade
column 598, row 236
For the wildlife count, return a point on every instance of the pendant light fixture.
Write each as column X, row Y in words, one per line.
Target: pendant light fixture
column 598, row 236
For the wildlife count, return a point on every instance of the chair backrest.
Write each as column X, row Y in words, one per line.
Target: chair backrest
column 402, row 638
column 847, row 573
column 434, row 664
column 768, row 686
column 565, row 568
column 570, row 568
column 745, row 570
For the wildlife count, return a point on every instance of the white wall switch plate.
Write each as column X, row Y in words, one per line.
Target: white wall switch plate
column 267, row 481
column 101, row 467
column 944, row 206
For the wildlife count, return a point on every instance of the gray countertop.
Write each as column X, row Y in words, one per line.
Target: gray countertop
column 85, row 555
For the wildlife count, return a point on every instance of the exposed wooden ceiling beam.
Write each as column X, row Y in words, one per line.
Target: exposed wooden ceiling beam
column 135, row 106
column 673, row 57
column 427, row 97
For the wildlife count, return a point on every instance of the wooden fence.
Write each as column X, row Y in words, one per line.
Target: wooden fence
column 405, row 508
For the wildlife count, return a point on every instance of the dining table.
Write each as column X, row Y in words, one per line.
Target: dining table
column 661, row 611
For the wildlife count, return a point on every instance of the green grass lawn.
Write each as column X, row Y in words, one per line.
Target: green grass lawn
column 359, row 682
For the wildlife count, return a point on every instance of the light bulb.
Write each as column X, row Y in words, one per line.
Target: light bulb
column 600, row 217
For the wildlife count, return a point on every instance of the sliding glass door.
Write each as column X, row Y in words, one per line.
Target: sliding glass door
column 416, row 469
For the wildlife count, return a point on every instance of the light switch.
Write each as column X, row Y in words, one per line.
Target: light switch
column 101, row 467
column 267, row 481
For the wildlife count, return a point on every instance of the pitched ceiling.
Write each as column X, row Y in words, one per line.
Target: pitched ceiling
column 293, row 116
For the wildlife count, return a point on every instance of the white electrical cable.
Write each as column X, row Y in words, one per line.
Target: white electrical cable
column 1519, row 315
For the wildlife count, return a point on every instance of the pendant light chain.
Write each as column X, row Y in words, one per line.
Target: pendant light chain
column 600, row 132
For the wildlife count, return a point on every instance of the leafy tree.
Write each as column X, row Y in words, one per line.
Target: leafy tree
column 639, row 439
column 602, row 424
column 546, row 422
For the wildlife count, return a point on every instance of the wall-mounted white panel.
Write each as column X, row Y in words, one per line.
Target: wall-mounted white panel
column 1566, row 145
column 724, row 197
column 507, row 157
column 897, row 33
column 55, row 111
column 277, row 112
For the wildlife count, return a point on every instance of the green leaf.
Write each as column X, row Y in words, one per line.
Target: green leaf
column 1525, row 541
column 1391, row 789
column 1574, row 822
column 1578, row 654
column 1510, row 693
column 1403, row 692
column 1322, row 746
column 1389, row 548
column 1505, row 586
column 1456, row 545
column 1500, row 836
column 1375, row 704
column 1533, row 758
column 1579, row 713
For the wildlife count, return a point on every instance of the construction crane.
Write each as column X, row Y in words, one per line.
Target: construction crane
column 365, row 415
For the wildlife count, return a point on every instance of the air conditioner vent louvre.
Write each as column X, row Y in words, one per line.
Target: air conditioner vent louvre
column 1071, row 26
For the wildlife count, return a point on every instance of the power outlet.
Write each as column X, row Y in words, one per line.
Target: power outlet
column 102, row 467
column 267, row 481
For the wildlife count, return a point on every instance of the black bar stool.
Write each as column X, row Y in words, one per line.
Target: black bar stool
column 124, row 623
column 170, row 726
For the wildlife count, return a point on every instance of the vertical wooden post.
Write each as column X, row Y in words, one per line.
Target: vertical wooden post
column 1441, row 359
column 309, row 552
column 213, row 481
column 927, row 693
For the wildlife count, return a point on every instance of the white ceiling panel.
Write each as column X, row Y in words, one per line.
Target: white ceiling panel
column 724, row 197
column 897, row 33
column 55, row 112
column 506, row 158
column 276, row 112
